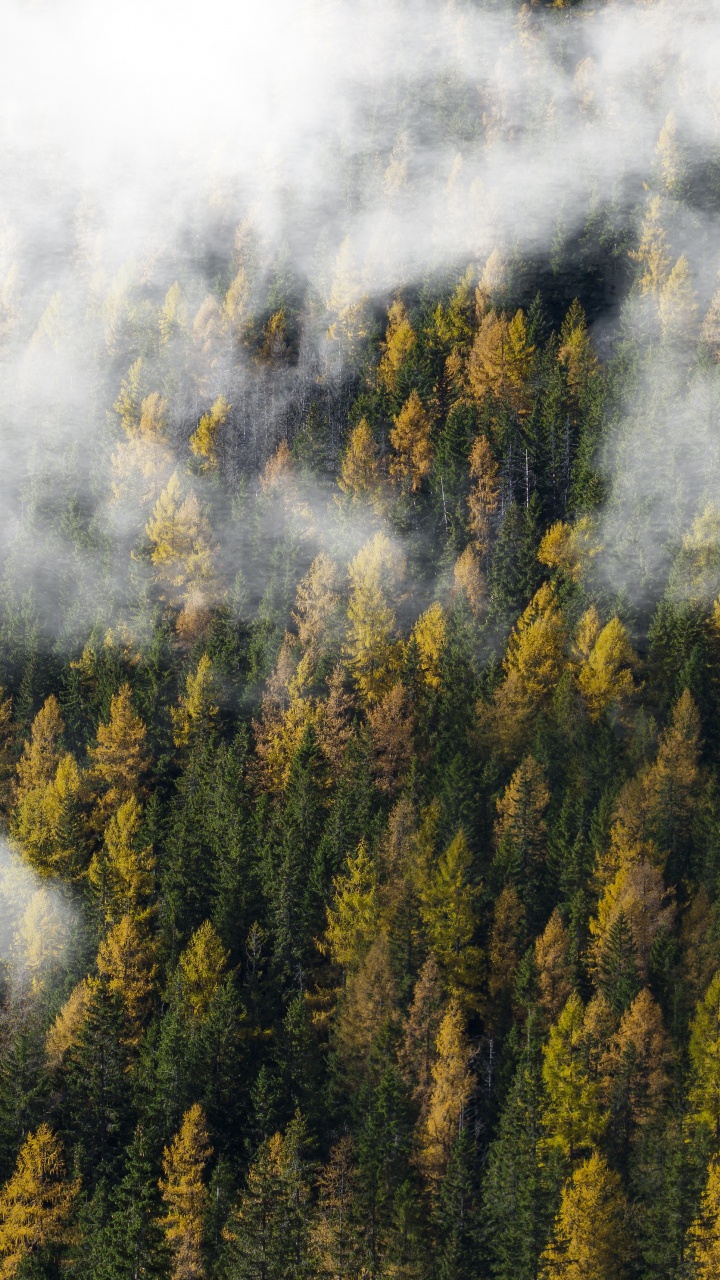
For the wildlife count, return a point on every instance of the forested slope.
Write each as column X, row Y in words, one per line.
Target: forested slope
column 359, row 747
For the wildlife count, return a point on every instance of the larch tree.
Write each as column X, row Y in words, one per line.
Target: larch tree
column 591, row 1238
column 452, row 1088
column 337, row 1241
column 704, row 1094
column 410, row 437
column 390, row 725
column 123, row 871
column 119, row 758
column 704, row 1233
column 504, row 952
column 36, row 1203
column 185, row 1195
column 194, row 718
column 202, row 969
column 430, row 634
column 605, row 677
column 361, row 471
column 371, row 645
column 41, row 755
column 636, row 1067
column 484, row 494
column 399, row 341
column 126, row 957
column 556, row 978
column 205, row 441
column 418, row 1050
column 354, row 916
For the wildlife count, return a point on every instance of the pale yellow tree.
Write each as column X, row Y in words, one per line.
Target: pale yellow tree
column 371, row 643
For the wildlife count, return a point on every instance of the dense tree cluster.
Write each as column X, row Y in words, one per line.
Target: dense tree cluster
column 360, row 903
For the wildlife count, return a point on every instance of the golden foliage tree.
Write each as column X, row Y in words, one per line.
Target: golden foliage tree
column 429, row 634
column 194, row 717
column 468, row 577
column 126, row 957
column 337, row 1245
column 636, row 1064
column 452, row 1086
column 119, row 758
column 704, row 1095
column 638, row 894
column 399, row 342
column 65, row 1030
column 671, row 785
column 484, row 494
column 704, row 1234
column 536, row 647
column 605, row 676
column 361, row 472
column 591, row 1238
column 36, row 1202
column 202, row 968
column 180, row 541
column 371, row 644
column 555, row 971
column 185, row 1195
column 205, row 441
column 41, row 755
column 652, row 252
column 410, row 437
column 123, row 871
column 390, row 725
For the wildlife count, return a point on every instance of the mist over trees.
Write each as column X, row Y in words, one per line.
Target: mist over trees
column 360, row 652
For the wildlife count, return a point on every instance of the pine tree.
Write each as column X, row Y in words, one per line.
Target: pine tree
column 448, row 912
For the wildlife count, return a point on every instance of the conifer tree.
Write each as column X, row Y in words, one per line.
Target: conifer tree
column 410, row 438
column 361, row 475
column 371, row 641
column 120, row 757
column 591, row 1237
column 704, row 1234
column 448, row 912
column 36, row 1203
column 573, row 1118
column 185, row 1195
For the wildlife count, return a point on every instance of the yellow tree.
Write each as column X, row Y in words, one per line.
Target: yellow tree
column 180, row 542
column 202, row 968
column 678, row 306
column 469, row 579
column 141, row 462
column 193, row 720
column 672, row 783
column 316, row 612
column 119, row 758
column 704, row 1096
column 429, row 634
column 123, row 871
column 638, row 895
column 49, row 823
column 41, row 755
column 410, row 438
column 205, row 441
column 390, row 725
column 704, row 1234
column 652, row 252
column 484, row 494
column 185, row 1195
column 371, row 644
column 452, row 1086
column 605, row 676
column 636, row 1065
column 555, row 971
column 361, row 472
column 399, row 342
column 126, row 957
column 36, row 1202
column 65, row 1030
column 536, row 647
column 354, row 915
column 591, row 1238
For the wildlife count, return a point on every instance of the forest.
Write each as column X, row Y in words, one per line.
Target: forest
column 360, row 711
